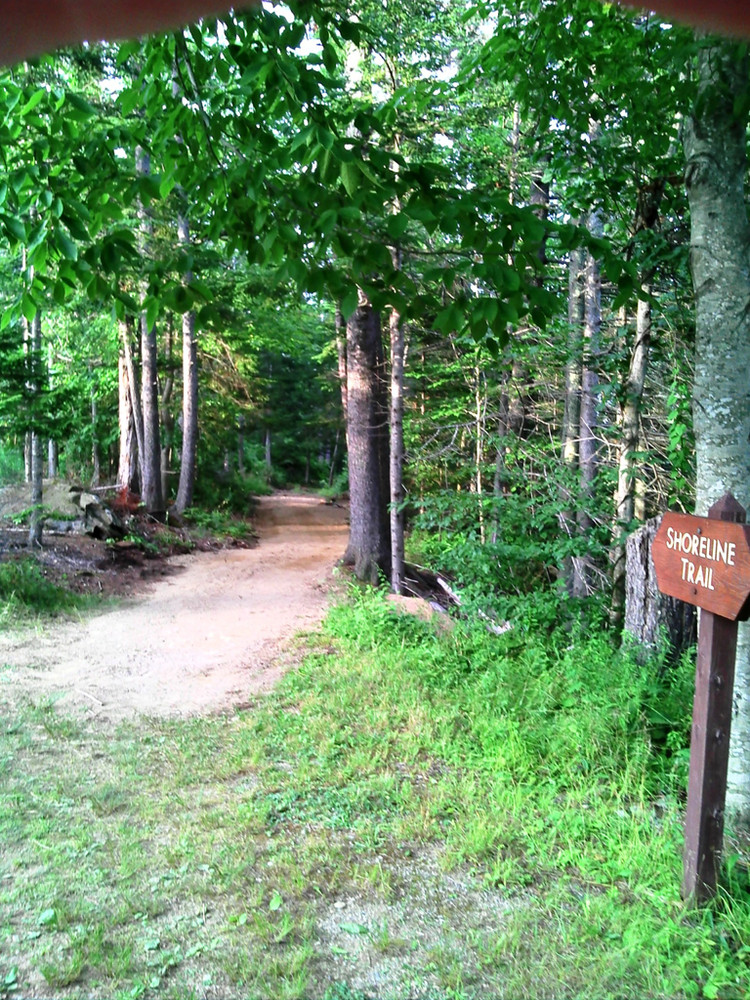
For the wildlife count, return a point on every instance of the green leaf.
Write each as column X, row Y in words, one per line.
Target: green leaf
column 29, row 308
column 276, row 901
column 110, row 256
column 47, row 917
column 350, row 177
column 32, row 102
column 350, row 31
column 75, row 227
column 152, row 312
column 65, row 245
column 82, row 107
column 396, row 225
column 201, row 290
column 349, row 303
column 166, row 185
column 16, row 228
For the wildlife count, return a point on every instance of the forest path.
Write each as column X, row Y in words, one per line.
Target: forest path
column 203, row 640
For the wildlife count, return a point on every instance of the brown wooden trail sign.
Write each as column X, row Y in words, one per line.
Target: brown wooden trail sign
column 706, row 561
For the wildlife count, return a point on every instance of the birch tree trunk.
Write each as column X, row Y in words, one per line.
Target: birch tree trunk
column 150, row 455
column 37, row 452
column 188, row 459
column 588, row 444
column 714, row 141
column 396, row 467
column 127, row 471
column 571, row 423
column 52, row 449
column 630, row 421
column 126, row 334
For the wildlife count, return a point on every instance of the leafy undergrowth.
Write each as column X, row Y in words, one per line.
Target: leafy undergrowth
column 26, row 594
column 410, row 814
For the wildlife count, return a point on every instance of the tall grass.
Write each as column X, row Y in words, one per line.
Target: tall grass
column 25, row 594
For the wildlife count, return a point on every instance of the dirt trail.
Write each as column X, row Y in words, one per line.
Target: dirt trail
column 205, row 639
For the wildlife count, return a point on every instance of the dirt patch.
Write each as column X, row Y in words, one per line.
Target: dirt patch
column 206, row 637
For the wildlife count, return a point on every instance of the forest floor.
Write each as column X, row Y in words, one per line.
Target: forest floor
column 196, row 633
column 95, row 714
column 196, row 802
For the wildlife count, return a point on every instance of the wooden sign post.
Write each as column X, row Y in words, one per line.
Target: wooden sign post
column 706, row 561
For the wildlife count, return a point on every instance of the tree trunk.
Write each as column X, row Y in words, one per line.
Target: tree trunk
column 479, row 416
column 37, row 457
column 52, row 458
column 126, row 333
column 588, row 445
column 369, row 549
column 630, row 421
column 397, row 451
column 241, row 443
column 166, row 420
column 37, row 472
column 151, row 491
column 714, row 140
column 571, row 422
column 659, row 624
column 127, row 471
column 52, row 450
column 150, row 453
column 189, row 455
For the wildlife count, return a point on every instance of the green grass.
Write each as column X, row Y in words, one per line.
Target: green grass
column 219, row 523
column 26, row 594
column 468, row 815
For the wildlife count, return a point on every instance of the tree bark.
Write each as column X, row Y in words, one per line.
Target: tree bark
column 151, row 491
column 150, row 454
column 714, row 141
column 37, row 455
column 630, row 421
column 127, row 472
column 52, row 449
column 659, row 624
column 126, row 333
column 52, row 458
column 588, row 446
column 189, row 455
column 369, row 548
column 397, row 338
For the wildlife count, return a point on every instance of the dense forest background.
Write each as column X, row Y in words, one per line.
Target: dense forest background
column 436, row 255
column 191, row 221
column 481, row 266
